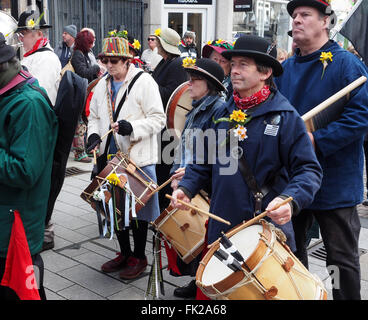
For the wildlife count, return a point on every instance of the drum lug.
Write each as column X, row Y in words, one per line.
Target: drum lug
column 288, row 264
column 193, row 212
column 270, row 293
column 184, row 227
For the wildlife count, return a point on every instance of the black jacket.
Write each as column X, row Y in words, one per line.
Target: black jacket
column 169, row 74
column 83, row 67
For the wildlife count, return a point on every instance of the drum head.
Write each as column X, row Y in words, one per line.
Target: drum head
column 245, row 241
column 179, row 104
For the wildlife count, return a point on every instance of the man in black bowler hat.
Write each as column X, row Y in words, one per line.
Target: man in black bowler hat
column 260, row 122
column 318, row 69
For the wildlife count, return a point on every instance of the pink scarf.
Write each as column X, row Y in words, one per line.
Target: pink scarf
column 253, row 100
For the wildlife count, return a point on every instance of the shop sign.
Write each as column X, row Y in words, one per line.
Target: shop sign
column 243, row 5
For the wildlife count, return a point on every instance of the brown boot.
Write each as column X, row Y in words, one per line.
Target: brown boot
column 133, row 268
column 115, row 264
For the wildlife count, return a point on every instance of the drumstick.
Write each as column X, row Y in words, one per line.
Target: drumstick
column 94, row 157
column 310, row 114
column 200, row 210
column 163, row 185
column 254, row 220
column 104, row 136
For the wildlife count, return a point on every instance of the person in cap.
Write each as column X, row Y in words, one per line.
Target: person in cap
column 188, row 45
column 213, row 50
column 150, row 56
column 169, row 74
column 318, row 69
column 39, row 58
column 28, row 136
column 65, row 47
column 205, row 88
column 254, row 125
column 138, row 122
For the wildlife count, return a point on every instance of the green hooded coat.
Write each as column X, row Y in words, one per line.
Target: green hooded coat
column 28, row 132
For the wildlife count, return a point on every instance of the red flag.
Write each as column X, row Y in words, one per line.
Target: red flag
column 19, row 273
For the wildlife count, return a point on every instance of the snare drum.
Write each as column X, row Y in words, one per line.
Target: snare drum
column 270, row 270
column 184, row 229
column 179, row 104
column 134, row 187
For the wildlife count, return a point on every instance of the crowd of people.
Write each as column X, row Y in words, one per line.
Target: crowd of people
column 249, row 89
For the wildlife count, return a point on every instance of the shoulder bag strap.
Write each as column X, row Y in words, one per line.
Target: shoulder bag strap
column 115, row 117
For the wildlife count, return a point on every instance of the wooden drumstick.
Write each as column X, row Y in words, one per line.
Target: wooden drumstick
column 94, row 157
column 106, row 134
column 254, row 220
column 163, row 185
column 200, row 210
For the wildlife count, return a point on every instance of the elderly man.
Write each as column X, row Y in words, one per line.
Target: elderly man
column 39, row 58
column 65, row 47
column 318, row 69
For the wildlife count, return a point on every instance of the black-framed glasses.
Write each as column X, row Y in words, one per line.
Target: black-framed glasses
column 151, row 39
column 112, row 60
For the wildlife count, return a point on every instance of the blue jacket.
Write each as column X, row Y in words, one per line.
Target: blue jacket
column 272, row 156
column 339, row 145
column 203, row 110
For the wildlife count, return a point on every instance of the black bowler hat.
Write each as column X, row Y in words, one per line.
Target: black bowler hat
column 6, row 52
column 322, row 6
column 257, row 48
column 208, row 69
column 25, row 21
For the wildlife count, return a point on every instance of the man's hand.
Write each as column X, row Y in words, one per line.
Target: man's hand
column 179, row 194
column 281, row 215
column 311, row 137
column 177, row 176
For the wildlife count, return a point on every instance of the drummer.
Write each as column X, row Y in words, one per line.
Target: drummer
column 140, row 119
column 213, row 50
column 205, row 86
column 268, row 133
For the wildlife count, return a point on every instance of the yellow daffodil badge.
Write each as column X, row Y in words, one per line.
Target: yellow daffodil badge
column 238, row 119
column 324, row 58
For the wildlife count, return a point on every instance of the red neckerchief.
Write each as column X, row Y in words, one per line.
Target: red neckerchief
column 253, row 100
column 39, row 44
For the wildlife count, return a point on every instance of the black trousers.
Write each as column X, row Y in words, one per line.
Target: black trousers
column 340, row 230
column 139, row 237
column 8, row 294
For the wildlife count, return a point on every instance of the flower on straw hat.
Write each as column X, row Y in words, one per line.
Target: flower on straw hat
column 158, row 32
column 136, row 44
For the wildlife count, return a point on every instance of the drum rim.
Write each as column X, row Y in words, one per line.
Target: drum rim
column 234, row 278
column 171, row 106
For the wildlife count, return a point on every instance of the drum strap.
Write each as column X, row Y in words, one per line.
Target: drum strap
column 258, row 193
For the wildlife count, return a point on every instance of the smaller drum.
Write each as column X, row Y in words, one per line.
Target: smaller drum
column 269, row 270
column 179, row 104
column 133, row 183
column 184, row 229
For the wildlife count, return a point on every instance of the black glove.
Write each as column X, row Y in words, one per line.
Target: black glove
column 93, row 140
column 125, row 128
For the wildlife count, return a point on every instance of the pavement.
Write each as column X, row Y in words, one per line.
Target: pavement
column 72, row 267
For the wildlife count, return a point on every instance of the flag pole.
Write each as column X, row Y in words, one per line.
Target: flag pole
column 334, row 32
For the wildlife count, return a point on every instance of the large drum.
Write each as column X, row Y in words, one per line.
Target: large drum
column 184, row 229
column 269, row 270
column 179, row 104
column 132, row 192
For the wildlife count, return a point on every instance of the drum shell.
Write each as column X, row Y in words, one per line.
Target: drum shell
column 179, row 104
column 190, row 242
column 140, row 190
column 269, row 273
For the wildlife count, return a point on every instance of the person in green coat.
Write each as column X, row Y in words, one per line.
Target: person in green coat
column 28, row 133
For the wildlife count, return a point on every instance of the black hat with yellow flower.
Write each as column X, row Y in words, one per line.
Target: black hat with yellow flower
column 206, row 68
column 32, row 20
